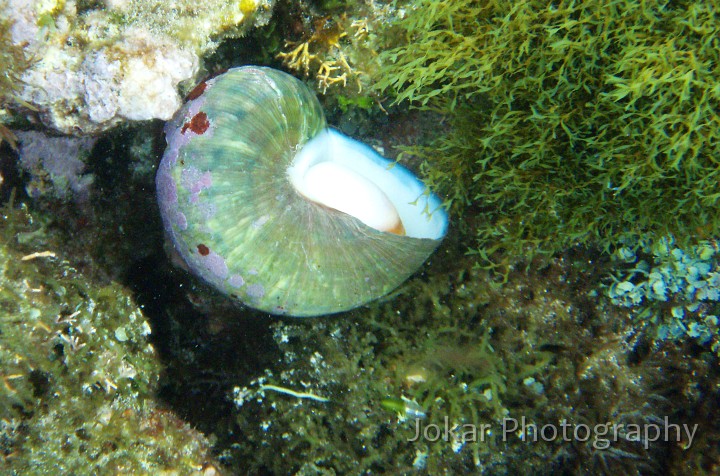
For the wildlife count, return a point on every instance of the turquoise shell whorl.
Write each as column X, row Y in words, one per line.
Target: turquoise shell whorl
column 234, row 217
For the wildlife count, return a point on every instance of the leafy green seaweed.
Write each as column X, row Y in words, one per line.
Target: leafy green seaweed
column 576, row 122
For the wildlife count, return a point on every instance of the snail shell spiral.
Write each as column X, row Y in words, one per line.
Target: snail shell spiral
column 267, row 204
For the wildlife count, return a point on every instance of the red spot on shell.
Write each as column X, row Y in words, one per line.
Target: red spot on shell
column 197, row 91
column 198, row 124
column 203, row 250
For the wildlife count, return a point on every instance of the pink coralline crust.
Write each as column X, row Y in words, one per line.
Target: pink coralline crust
column 181, row 220
column 175, row 141
column 179, row 134
column 171, row 155
column 255, row 291
column 215, row 264
column 58, row 163
column 191, row 108
column 236, row 281
column 205, row 181
column 168, row 199
column 166, row 190
column 174, row 135
column 195, row 181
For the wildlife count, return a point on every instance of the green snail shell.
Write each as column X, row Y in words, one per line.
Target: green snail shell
column 238, row 222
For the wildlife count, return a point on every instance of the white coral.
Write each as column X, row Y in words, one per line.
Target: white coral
column 92, row 71
column 147, row 89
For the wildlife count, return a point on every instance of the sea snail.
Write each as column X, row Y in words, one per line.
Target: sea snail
column 270, row 206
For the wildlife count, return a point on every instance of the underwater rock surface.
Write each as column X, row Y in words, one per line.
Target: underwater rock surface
column 79, row 374
column 56, row 165
column 92, row 67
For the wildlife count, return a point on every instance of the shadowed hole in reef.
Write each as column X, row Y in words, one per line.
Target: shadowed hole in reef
column 11, row 177
column 206, row 349
column 203, row 359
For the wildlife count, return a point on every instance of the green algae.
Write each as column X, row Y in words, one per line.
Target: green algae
column 448, row 349
column 78, row 371
column 580, row 122
column 13, row 63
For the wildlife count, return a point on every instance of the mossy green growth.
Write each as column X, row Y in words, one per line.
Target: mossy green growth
column 577, row 122
column 363, row 102
column 375, row 371
column 78, row 374
column 13, row 63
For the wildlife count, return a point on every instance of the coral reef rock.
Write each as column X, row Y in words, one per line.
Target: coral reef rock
column 55, row 165
column 91, row 68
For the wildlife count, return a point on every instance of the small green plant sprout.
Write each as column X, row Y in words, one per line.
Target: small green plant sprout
column 404, row 407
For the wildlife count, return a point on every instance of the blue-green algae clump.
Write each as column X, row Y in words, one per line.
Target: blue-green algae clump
column 675, row 290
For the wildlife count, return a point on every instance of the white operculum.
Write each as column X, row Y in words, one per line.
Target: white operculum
column 325, row 171
column 334, row 186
